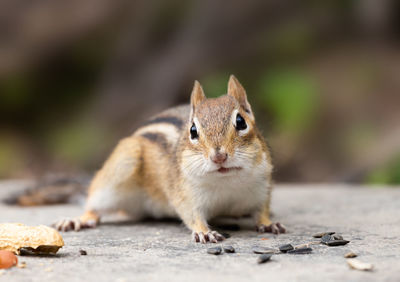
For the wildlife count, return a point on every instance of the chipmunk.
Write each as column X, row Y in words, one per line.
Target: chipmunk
column 195, row 162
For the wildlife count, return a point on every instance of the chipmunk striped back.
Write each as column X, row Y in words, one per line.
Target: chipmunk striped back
column 165, row 128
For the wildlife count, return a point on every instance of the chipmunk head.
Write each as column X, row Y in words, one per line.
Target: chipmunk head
column 221, row 136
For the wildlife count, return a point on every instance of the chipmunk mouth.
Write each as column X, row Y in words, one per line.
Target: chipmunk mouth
column 228, row 169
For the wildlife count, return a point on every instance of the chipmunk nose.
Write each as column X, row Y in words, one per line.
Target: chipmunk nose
column 219, row 157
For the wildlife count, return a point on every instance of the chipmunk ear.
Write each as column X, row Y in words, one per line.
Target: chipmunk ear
column 236, row 90
column 197, row 96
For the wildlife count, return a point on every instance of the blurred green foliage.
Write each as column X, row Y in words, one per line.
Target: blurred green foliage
column 215, row 84
column 77, row 142
column 11, row 156
column 15, row 93
column 43, row 107
column 388, row 174
column 291, row 96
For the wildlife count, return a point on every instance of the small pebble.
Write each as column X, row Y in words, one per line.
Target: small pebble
column 229, row 249
column 22, row 264
column 359, row 265
column 303, row 246
column 263, row 250
column 83, row 252
column 320, row 235
column 337, row 237
column 264, row 258
column 285, row 248
column 350, row 255
column 214, row 251
column 326, row 238
column 300, row 251
column 337, row 243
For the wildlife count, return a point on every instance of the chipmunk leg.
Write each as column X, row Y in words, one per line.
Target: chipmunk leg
column 201, row 233
column 264, row 223
column 111, row 187
column 89, row 219
column 200, row 230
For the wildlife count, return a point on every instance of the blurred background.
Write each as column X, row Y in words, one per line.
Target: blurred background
column 323, row 78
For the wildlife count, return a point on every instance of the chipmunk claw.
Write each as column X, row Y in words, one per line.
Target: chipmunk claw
column 211, row 236
column 275, row 228
column 68, row 224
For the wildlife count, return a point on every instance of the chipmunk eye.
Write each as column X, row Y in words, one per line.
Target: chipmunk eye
column 193, row 132
column 240, row 122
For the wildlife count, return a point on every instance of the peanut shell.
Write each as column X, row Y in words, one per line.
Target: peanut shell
column 41, row 239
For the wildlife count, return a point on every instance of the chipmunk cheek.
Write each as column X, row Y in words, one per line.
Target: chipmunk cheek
column 230, row 149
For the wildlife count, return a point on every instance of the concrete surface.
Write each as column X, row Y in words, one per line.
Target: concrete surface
column 163, row 251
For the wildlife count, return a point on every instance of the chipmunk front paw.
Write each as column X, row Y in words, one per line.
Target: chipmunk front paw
column 211, row 236
column 275, row 228
column 75, row 224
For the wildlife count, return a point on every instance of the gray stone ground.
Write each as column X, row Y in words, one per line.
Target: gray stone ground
column 163, row 251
